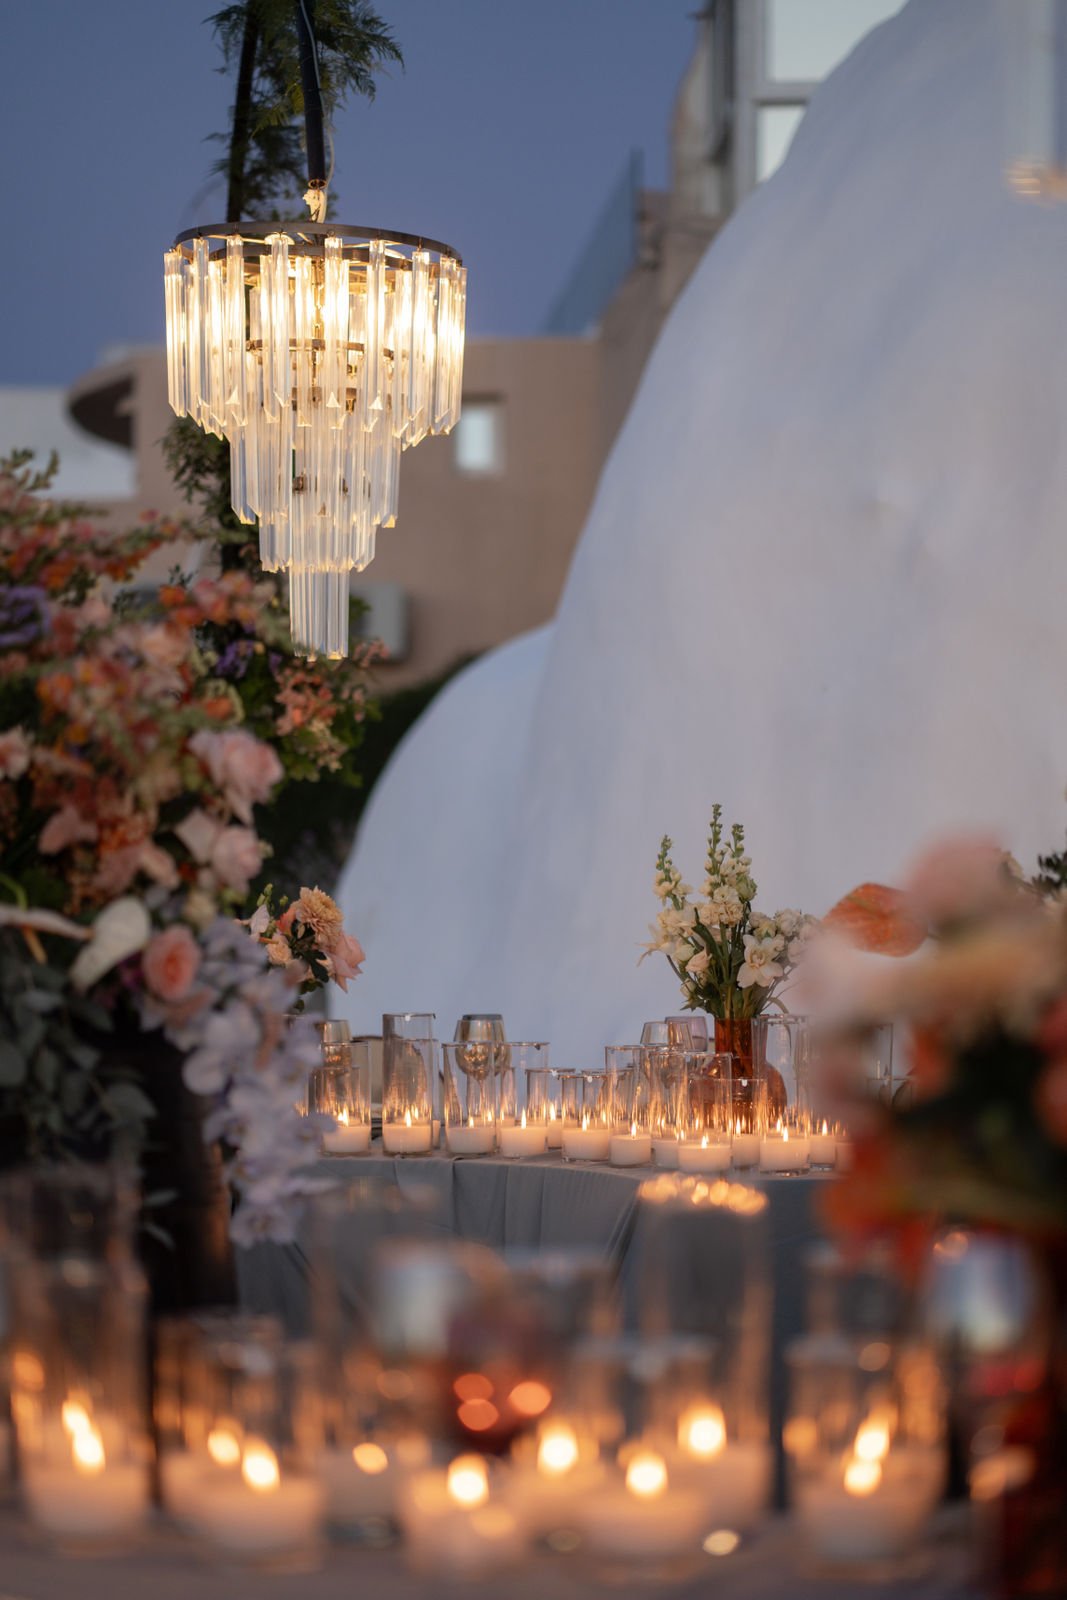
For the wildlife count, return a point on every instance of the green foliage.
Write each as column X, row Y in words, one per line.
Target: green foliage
column 264, row 164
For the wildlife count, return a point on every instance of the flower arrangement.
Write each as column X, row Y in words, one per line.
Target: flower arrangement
column 307, row 939
column 729, row 958
column 978, row 1133
column 129, row 785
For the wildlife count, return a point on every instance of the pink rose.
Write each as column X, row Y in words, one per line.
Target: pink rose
column 170, row 963
column 345, row 960
column 243, row 767
column 14, row 753
column 236, row 857
column 65, row 827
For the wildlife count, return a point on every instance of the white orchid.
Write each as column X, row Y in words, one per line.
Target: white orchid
column 759, row 966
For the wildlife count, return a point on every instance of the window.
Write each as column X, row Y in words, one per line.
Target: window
column 478, row 438
column 806, row 39
column 775, row 127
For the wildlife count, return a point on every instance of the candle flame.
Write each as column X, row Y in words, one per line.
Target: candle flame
column 523, row 1122
column 704, row 1142
column 223, row 1446
column 407, row 1119
column 552, row 1111
column 470, row 1122
column 342, row 1119
column 862, row 1477
column 370, row 1458
column 825, row 1129
column 87, row 1449
column 468, row 1481
column 785, row 1135
column 872, row 1439
column 259, row 1467
column 633, row 1130
column 646, row 1475
column 702, row 1431
column 778, row 1126
column 75, row 1417
column 557, row 1450
column 585, row 1120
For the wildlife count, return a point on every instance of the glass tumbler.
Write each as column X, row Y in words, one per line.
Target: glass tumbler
column 472, row 1089
column 524, row 1101
column 409, row 1076
column 342, row 1094
column 587, row 1116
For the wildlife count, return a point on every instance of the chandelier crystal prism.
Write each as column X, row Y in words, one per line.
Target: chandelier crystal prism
column 319, row 352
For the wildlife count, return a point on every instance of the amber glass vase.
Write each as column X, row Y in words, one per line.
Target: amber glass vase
column 735, row 1034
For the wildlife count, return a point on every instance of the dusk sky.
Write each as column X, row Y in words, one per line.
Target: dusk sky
column 502, row 136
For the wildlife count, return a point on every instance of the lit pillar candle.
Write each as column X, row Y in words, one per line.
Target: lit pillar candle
column 745, row 1147
column 783, row 1152
column 587, row 1142
column 554, row 1137
column 665, row 1151
column 521, row 1138
column 704, row 1155
column 346, row 1139
column 873, row 1505
column 631, row 1149
column 89, row 1495
column 822, row 1148
column 732, row 1476
column 453, row 1524
column 644, row 1517
column 256, row 1512
column 470, row 1138
column 407, row 1138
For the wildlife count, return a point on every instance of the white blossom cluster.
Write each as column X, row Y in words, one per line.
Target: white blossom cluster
column 240, row 1051
column 719, row 945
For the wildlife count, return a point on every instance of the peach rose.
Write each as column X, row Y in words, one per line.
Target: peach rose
column 346, row 959
column 171, row 962
column 958, row 879
column 242, row 766
column 278, row 951
column 236, row 857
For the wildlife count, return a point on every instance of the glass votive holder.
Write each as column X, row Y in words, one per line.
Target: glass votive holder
column 457, row 1521
column 525, row 1100
column 472, row 1091
column 631, row 1105
column 748, row 1119
column 409, row 1076
column 342, row 1094
column 865, row 1450
column 783, row 1053
column 785, row 1145
column 78, row 1398
column 664, row 1068
column 706, row 1143
column 251, row 1494
column 822, row 1145
column 587, row 1116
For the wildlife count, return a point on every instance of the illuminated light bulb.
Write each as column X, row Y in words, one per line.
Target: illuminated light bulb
column 862, row 1477
column 259, row 1467
column 468, row 1481
column 702, row 1431
column 223, row 1446
column 370, row 1458
column 87, row 1449
column 557, row 1450
column 530, row 1398
column 646, row 1475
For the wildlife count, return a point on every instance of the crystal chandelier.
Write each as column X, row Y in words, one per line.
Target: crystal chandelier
column 319, row 351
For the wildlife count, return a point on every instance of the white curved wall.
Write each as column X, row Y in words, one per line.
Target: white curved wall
column 822, row 580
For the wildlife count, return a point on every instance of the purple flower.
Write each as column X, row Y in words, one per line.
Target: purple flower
column 23, row 615
column 233, row 662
